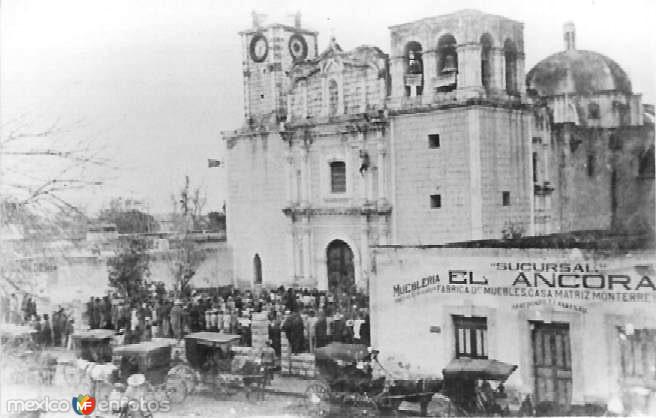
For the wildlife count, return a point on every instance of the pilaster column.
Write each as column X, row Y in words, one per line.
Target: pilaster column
column 324, row 96
column 291, row 254
column 307, row 252
column 304, row 94
column 380, row 164
column 308, row 176
column 383, row 230
column 430, row 74
column 521, row 85
column 291, row 179
column 305, row 181
column 498, row 69
column 397, row 69
column 298, row 254
column 364, row 252
column 469, row 70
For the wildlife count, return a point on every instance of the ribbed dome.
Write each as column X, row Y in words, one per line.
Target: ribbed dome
column 577, row 72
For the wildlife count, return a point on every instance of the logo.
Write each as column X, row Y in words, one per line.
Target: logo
column 84, row 404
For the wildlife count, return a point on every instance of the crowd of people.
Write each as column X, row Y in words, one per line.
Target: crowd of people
column 309, row 318
column 50, row 329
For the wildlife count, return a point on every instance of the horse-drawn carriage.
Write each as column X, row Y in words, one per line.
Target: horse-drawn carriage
column 94, row 345
column 211, row 367
column 346, row 379
column 466, row 384
column 22, row 359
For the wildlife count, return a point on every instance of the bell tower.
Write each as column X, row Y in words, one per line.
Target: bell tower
column 269, row 52
column 463, row 55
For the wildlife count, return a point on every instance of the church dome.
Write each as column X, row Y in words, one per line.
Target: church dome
column 576, row 71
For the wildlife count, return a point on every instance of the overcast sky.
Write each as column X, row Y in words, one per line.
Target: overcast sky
column 156, row 81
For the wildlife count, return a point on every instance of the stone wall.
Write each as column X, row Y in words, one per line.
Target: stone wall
column 483, row 151
column 256, row 197
column 505, row 166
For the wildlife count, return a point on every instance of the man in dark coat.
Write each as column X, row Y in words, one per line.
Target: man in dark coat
column 177, row 319
column 46, row 332
column 90, row 313
column 321, row 330
column 293, row 327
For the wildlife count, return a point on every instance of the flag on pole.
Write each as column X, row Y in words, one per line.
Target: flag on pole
column 213, row 163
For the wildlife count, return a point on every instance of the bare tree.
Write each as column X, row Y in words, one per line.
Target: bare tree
column 186, row 253
column 41, row 171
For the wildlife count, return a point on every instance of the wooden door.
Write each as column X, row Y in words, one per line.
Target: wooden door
column 552, row 366
column 341, row 272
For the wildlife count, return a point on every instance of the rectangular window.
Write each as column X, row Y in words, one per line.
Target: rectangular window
column 638, row 353
column 434, row 141
column 593, row 110
column 505, row 198
column 436, row 201
column 338, row 177
column 591, row 165
column 470, row 336
column 535, row 167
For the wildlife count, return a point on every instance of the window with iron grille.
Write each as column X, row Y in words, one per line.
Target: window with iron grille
column 337, row 177
column 470, row 336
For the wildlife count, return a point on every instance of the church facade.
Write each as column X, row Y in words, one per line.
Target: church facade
column 443, row 139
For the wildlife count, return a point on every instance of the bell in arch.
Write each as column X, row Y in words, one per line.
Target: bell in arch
column 414, row 63
column 449, row 64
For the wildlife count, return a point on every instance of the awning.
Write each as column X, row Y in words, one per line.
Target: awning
column 485, row 369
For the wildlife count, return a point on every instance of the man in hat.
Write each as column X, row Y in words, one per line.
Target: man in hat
column 46, row 331
column 176, row 319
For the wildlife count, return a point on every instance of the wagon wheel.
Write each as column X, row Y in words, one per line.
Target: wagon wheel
column 221, row 387
column 158, row 393
column 176, row 389
column 186, row 375
column 388, row 405
column 317, row 397
column 364, row 407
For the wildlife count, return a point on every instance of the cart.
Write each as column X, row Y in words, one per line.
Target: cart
column 466, row 384
column 153, row 360
column 150, row 358
column 210, row 367
column 15, row 340
column 94, row 345
column 22, row 359
column 346, row 380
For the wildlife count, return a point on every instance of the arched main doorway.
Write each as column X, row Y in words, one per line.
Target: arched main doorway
column 341, row 272
column 257, row 269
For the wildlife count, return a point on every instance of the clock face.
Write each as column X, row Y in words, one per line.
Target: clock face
column 298, row 47
column 259, row 48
